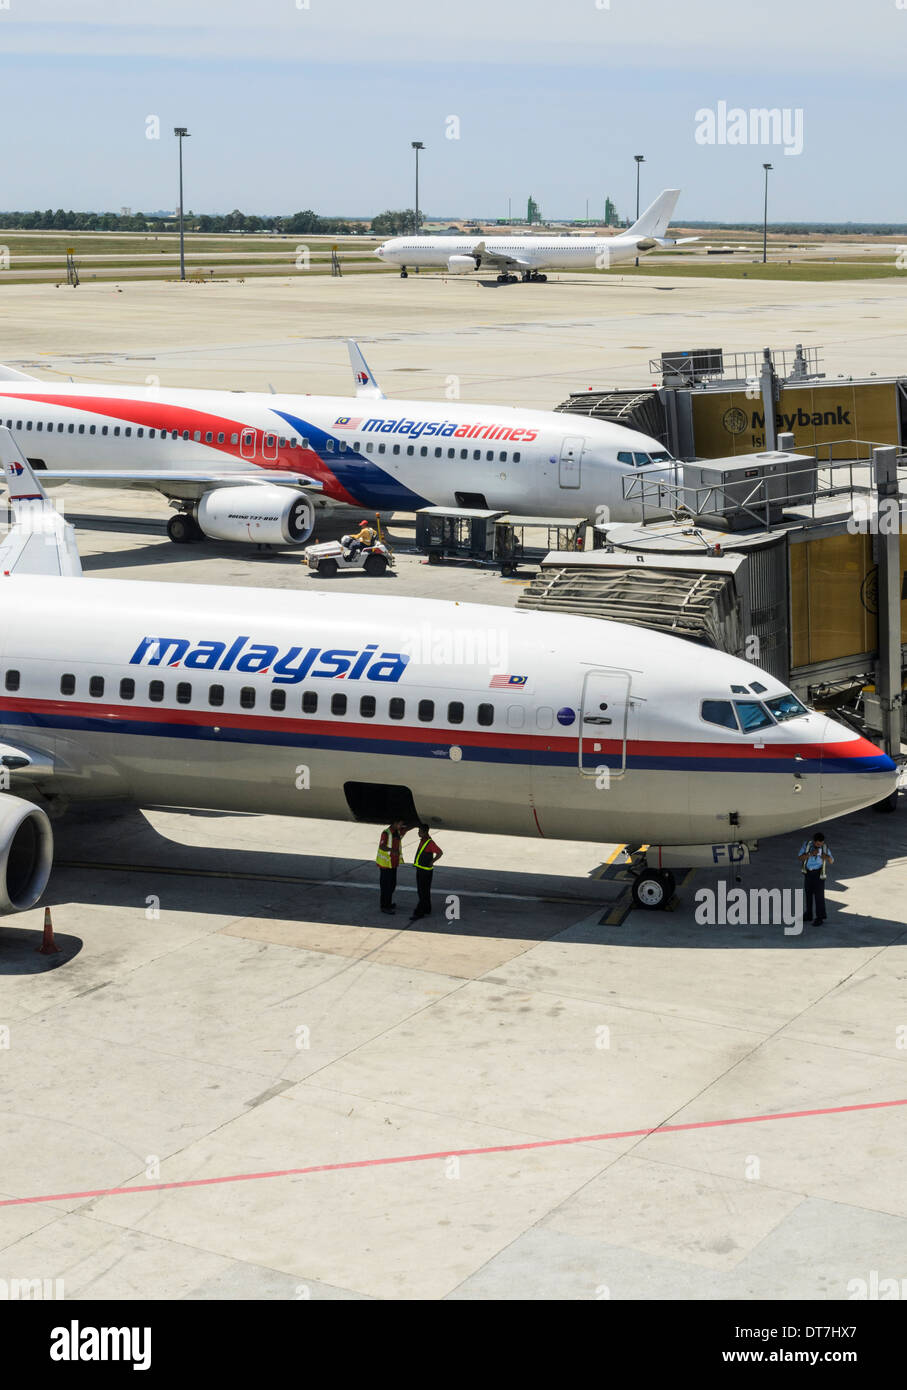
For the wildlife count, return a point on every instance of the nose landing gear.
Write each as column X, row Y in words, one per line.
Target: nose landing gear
column 653, row 889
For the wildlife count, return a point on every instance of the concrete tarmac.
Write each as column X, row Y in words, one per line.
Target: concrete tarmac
column 536, row 1094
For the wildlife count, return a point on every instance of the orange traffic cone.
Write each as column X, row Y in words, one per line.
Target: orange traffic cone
column 48, row 946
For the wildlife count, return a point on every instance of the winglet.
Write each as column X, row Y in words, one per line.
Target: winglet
column 366, row 385
column 39, row 540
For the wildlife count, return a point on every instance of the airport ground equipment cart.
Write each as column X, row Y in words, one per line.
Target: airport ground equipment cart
column 330, row 557
column 494, row 538
column 456, row 533
column 519, row 539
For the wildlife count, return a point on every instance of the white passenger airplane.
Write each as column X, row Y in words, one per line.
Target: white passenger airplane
column 235, row 699
column 242, row 466
column 529, row 255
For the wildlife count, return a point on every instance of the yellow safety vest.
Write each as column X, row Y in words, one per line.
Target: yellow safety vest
column 422, row 845
column 383, row 857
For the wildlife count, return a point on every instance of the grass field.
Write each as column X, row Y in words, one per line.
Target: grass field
column 773, row 270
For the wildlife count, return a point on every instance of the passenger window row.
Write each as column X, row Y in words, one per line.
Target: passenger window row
column 438, row 453
column 270, row 441
column 340, row 704
column 126, row 431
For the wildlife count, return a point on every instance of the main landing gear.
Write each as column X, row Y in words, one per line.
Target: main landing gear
column 534, row 276
column 404, row 273
column 183, row 529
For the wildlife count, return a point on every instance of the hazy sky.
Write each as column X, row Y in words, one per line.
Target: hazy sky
column 292, row 107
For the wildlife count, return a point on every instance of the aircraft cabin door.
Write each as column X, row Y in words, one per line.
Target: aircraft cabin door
column 571, row 461
column 603, row 722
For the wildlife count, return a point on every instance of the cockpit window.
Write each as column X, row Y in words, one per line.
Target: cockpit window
column 635, row 460
column 758, row 688
column 786, row 707
column 739, row 690
column 719, row 712
column 752, row 715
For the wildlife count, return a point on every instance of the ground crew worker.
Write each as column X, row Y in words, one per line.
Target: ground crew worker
column 426, row 857
column 814, row 855
column 365, row 538
column 388, row 860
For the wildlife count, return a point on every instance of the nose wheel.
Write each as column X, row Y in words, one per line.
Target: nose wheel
column 653, row 889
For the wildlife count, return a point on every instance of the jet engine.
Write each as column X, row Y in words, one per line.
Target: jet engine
column 26, row 853
column 460, row 265
column 271, row 515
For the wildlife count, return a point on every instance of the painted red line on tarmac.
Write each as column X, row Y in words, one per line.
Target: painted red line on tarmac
column 449, row 1153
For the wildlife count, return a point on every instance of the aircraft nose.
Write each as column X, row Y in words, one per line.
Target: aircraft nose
column 379, row 252
column 854, row 772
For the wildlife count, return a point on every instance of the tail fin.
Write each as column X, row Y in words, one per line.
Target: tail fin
column 657, row 216
column 39, row 540
column 366, row 385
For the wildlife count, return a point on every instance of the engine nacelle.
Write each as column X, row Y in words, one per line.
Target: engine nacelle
column 26, row 853
column 459, row 265
column 269, row 515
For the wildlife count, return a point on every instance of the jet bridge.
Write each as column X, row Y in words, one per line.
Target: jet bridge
column 799, row 569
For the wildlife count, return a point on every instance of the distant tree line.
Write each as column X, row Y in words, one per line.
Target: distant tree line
column 297, row 223
column 804, row 228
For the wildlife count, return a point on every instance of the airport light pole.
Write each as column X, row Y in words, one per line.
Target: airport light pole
column 640, row 159
column 766, row 167
column 181, row 134
column 417, row 146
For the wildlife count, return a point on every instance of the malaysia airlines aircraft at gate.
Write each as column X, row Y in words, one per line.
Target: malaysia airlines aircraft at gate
column 529, row 255
column 244, row 466
column 157, row 694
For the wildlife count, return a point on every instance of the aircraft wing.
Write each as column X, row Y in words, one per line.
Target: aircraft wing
column 39, row 541
column 185, row 486
column 495, row 258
